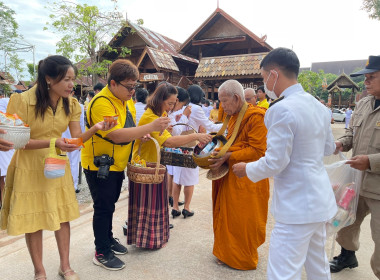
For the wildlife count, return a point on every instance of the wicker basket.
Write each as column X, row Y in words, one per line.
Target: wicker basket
column 187, row 132
column 18, row 135
column 153, row 173
column 174, row 159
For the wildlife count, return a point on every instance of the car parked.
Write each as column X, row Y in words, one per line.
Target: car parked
column 338, row 115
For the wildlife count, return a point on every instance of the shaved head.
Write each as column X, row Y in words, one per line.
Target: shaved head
column 250, row 95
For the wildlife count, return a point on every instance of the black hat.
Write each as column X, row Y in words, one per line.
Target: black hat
column 372, row 65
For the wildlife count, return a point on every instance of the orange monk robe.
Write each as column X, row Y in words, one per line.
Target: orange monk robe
column 221, row 114
column 240, row 207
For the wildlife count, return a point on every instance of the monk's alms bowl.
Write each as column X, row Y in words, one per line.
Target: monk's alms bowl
column 202, row 153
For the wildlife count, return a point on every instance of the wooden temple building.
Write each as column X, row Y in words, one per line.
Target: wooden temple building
column 335, row 89
column 225, row 50
column 220, row 49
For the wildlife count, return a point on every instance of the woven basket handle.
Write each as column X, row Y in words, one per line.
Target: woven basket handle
column 158, row 156
column 186, row 125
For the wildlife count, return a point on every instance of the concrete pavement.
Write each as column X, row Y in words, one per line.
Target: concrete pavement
column 188, row 254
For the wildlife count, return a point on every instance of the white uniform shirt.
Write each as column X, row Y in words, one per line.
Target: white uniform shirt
column 299, row 135
column 198, row 118
column 177, row 130
column 190, row 176
column 5, row 157
column 140, row 109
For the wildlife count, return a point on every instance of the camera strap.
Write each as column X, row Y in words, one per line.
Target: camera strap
column 93, row 149
column 129, row 122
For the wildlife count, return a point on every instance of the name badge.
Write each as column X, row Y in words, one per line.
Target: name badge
column 378, row 124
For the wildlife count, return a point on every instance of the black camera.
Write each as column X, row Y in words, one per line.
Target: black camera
column 103, row 162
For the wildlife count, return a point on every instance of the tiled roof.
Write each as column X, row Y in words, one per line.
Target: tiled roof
column 86, row 81
column 162, row 60
column 338, row 67
column 343, row 81
column 158, row 41
column 6, row 78
column 226, row 66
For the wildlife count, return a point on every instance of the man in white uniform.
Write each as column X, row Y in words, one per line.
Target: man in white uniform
column 299, row 136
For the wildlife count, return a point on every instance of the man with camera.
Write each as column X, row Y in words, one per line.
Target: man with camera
column 106, row 155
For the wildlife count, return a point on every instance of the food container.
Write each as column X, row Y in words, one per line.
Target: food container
column 111, row 119
column 18, row 135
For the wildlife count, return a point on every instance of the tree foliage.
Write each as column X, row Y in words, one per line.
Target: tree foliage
column 312, row 82
column 31, row 68
column 372, row 7
column 8, row 27
column 16, row 65
column 84, row 30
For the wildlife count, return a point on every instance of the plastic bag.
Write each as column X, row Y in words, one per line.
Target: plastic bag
column 345, row 182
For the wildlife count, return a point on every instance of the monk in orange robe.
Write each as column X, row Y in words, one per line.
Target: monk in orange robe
column 240, row 207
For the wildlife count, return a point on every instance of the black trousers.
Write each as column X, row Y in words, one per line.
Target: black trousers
column 105, row 193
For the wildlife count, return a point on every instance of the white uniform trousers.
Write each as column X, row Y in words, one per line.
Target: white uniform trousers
column 294, row 245
column 74, row 158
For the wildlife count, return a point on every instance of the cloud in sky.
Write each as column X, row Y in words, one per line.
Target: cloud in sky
column 318, row 31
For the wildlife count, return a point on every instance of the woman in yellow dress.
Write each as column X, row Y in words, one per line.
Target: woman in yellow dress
column 148, row 211
column 214, row 112
column 32, row 202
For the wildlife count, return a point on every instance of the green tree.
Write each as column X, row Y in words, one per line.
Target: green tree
column 16, row 65
column 372, row 7
column 8, row 27
column 84, row 30
column 31, row 68
column 312, row 82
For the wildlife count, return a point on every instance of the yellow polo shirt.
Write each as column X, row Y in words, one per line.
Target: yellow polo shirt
column 263, row 103
column 148, row 149
column 132, row 109
column 97, row 146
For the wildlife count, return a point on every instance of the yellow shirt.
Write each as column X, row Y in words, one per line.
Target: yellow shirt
column 132, row 108
column 263, row 103
column 148, row 149
column 214, row 115
column 98, row 146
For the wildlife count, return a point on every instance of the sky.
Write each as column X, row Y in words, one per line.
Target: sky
column 318, row 31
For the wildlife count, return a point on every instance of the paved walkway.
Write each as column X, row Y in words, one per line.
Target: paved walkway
column 188, row 254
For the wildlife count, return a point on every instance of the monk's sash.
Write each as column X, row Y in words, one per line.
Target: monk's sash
column 230, row 141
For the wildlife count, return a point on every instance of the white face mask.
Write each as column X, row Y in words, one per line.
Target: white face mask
column 270, row 93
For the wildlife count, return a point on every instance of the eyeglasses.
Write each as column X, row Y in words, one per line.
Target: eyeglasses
column 130, row 88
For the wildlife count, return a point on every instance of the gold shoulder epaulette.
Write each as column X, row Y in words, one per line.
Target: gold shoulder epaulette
column 275, row 101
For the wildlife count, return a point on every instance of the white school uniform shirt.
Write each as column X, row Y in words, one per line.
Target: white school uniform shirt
column 74, row 156
column 177, row 130
column 190, row 176
column 299, row 136
column 140, row 110
column 198, row 118
column 5, row 157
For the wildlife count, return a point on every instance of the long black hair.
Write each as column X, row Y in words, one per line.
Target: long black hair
column 54, row 67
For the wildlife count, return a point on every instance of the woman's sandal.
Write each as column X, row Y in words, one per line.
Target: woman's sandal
column 40, row 277
column 73, row 276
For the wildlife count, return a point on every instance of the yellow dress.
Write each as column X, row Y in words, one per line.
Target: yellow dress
column 31, row 201
column 148, row 149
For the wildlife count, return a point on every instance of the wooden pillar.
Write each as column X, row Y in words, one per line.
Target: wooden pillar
column 340, row 99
